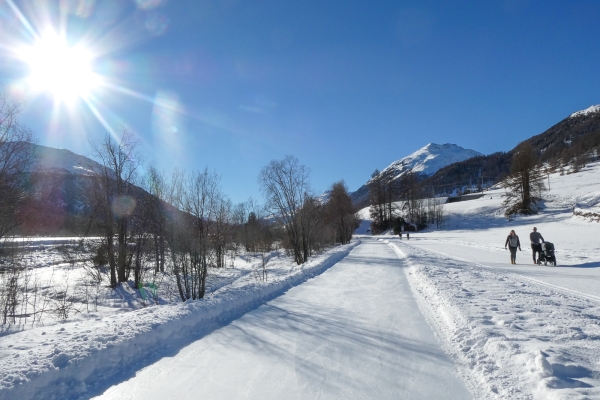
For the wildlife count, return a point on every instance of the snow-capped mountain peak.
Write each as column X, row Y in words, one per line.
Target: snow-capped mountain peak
column 429, row 159
column 589, row 110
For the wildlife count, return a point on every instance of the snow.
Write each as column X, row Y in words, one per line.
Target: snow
column 520, row 331
column 429, row 159
column 353, row 332
column 589, row 110
column 518, row 338
column 74, row 359
column 384, row 318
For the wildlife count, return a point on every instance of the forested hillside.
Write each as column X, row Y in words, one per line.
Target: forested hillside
column 574, row 138
column 483, row 170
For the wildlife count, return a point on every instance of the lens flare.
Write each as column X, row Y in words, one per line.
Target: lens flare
column 123, row 206
column 64, row 71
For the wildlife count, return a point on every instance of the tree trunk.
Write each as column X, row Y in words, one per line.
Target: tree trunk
column 122, row 242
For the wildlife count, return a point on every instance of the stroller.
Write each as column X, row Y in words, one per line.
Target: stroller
column 547, row 254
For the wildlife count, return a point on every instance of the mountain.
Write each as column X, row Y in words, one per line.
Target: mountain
column 49, row 159
column 485, row 170
column 428, row 160
column 61, row 196
column 575, row 137
column 425, row 162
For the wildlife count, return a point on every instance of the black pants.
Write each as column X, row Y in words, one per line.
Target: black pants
column 536, row 248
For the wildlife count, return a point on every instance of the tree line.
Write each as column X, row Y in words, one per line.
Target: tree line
column 402, row 203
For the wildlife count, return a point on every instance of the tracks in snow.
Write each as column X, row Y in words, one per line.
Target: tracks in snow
column 517, row 276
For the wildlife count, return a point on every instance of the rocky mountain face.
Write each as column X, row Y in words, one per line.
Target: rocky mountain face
column 424, row 162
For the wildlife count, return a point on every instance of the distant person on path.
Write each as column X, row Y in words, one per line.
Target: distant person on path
column 407, row 235
column 400, row 235
column 512, row 241
column 536, row 239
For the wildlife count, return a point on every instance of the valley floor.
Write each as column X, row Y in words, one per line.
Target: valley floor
column 444, row 315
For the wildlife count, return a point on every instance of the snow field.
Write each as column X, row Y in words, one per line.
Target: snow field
column 515, row 339
column 78, row 359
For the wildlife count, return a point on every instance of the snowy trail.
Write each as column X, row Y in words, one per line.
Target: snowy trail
column 580, row 280
column 517, row 337
column 353, row 332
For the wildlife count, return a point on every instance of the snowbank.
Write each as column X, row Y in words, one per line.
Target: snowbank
column 80, row 359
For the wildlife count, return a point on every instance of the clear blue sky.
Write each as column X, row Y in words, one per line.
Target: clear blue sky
column 345, row 86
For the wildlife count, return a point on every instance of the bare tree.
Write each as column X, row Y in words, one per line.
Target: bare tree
column 16, row 157
column 411, row 193
column 113, row 183
column 190, row 231
column 285, row 186
column 223, row 229
column 382, row 192
column 525, row 183
column 156, row 186
column 340, row 212
column 377, row 209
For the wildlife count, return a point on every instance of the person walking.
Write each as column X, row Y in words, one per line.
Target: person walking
column 407, row 235
column 512, row 241
column 536, row 239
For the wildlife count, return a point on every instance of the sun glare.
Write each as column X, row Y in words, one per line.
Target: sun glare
column 64, row 71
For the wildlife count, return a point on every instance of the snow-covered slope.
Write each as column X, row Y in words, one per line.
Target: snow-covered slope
column 429, row 159
column 589, row 110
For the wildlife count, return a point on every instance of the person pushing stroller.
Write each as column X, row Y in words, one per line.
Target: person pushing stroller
column 536, row 239
column 512, row 241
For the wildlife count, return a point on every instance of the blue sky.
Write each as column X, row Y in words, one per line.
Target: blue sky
column 345, row 86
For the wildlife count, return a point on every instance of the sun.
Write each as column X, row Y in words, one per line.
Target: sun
column 62, row 70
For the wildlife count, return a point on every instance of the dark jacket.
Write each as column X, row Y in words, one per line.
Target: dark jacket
column 535, row 237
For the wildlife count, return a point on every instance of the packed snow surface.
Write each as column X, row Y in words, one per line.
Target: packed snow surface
column 354, row 332
column 74, row 360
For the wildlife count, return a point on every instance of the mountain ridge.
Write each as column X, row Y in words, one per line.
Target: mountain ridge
column 573, row 139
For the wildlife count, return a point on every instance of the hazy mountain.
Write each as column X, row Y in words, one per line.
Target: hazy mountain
column 64, row 161
column 60, row 183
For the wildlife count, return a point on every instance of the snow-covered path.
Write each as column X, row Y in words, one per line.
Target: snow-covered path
column 582, row 280
column 353, row 332
column 518, row 335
